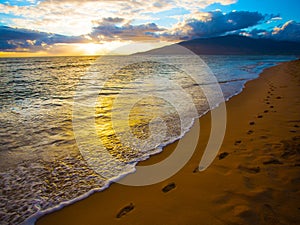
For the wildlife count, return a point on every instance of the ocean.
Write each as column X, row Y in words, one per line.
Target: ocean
column 58, row 113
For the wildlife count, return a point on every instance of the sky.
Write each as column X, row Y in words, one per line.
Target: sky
column 99, row 27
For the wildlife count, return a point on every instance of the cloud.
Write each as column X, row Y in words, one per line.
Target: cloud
column 112, row 20
column 199, row 24
column 290, row 31
column 14, row 39
column 213, row 24
column 142, row 5
column 74, row 17
column 108, row 29
column 117, row 28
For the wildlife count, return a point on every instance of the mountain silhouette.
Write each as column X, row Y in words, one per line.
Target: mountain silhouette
column 232, row 45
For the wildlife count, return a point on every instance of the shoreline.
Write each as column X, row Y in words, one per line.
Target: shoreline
column 193, row 195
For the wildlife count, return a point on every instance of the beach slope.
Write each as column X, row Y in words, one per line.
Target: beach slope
column 254, row 180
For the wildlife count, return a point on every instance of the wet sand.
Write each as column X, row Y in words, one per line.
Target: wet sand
column 255, row 179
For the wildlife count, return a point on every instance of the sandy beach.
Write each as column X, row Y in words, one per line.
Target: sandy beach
column 254, row 180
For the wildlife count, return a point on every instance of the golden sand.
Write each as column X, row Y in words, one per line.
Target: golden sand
column 254, row 180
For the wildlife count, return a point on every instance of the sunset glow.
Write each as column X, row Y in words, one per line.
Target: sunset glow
column 65, row 27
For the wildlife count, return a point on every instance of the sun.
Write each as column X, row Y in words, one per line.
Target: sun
column 114, row 47
column 91, row 49
column 99, row 49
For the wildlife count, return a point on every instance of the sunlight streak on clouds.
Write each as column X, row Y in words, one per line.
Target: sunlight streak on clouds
column 74, row 17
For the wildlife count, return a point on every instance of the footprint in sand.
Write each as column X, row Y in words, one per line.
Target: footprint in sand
column 251, row 123
column 250, row 132
column 279, row 97
column 125, row 210
column 271, row 107
column 169, row 187
column 223, row 155
column 263, row 137
column 237, row 142
column 259, row 116
column 266, row 111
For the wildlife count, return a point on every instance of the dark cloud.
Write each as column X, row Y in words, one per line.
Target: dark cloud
column 238, row 22
column 12, row 39
column 290, row 31
column 254, row 33
column 215, row 23
column 221, row 23
column 109, row 30
column 113, row 20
